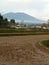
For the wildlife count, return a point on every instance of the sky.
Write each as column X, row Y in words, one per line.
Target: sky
column 35, row 8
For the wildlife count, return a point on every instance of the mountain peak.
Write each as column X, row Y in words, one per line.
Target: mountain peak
column 22, row 16
column 18, row 16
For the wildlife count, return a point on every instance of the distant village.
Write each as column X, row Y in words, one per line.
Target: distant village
column 31, row 26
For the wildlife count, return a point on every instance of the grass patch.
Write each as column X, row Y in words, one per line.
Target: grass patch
column 21, row 31
column 44, row 43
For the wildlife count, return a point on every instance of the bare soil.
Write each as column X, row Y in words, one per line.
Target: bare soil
column 22, row 50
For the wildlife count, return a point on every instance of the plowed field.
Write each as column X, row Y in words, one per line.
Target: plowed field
column 22, row 50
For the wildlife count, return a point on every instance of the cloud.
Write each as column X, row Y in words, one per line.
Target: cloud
column 36, row 8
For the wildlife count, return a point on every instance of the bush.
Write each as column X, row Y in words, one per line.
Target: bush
column 45, row 43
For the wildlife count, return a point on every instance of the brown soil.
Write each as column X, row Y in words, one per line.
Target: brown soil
column 22, row 50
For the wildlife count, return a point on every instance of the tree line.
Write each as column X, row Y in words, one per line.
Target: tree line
column 4, row 21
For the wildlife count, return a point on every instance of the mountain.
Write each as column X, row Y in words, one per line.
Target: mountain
column 22, row 16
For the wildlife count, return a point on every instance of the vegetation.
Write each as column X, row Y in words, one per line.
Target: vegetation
column 12, row 21
column 8, row 28
column 3, row 21
column 44, row 43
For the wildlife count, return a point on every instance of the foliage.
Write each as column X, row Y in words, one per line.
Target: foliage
column 44, row 43
column 12, row 21
column 3, row 21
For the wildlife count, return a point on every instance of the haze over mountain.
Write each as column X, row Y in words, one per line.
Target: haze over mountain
column 23, row 16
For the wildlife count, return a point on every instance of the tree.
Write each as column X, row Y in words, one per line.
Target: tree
column 12, row 21
column 5, row 22
column 1, row 17
column 1, row 20
column 6, row 19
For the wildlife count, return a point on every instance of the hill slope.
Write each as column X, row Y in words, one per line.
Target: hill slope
column 23, row 16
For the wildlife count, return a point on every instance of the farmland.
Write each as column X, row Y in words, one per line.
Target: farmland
column 22, row 50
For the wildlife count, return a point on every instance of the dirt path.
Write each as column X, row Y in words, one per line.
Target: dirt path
column 22, row 50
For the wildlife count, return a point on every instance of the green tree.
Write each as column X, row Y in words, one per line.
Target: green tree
column 1, row 17
column 5, row 19
column 6, row 22
column 1, row 20
column 12, row 21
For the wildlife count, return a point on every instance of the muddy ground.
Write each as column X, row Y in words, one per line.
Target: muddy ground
column 22, row 50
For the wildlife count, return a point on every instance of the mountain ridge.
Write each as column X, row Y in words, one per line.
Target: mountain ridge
column 22, row 16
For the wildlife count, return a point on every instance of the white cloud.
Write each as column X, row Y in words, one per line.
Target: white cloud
column 36, row 8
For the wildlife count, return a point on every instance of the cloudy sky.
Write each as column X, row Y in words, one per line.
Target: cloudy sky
column 36, row 8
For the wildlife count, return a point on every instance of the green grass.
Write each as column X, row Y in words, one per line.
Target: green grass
column 21, row 31
column 15, row 33
column 44, row 44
